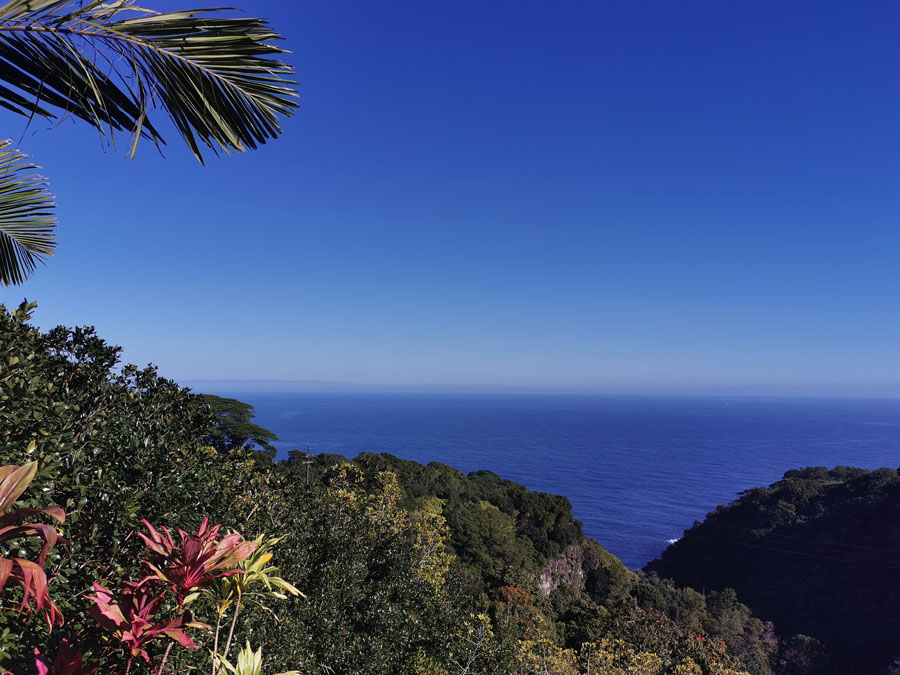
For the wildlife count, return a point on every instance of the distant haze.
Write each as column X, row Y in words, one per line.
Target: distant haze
column 828, row 390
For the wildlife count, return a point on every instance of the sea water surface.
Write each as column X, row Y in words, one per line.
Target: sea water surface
column 638, row 470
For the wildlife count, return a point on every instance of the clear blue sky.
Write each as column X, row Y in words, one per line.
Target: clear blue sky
column 628, row 196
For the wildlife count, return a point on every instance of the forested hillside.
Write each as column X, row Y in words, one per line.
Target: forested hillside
column 818, row 553
column 403, row 568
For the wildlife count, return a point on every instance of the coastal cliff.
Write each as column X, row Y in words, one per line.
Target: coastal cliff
column 817, row 552
column 564, row 570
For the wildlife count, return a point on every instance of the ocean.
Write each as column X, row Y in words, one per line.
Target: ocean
column 638, row 470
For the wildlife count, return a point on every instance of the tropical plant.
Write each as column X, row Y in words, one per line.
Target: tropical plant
column 201, row 559
column 252, row 573
column 68, row 661
column 112, row 65
column 131, row 619
column 248, row 663
column 30, row 575
column 26, row 216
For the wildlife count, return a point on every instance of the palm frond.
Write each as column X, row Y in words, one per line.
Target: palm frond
column 112, row 64
column 27, row 223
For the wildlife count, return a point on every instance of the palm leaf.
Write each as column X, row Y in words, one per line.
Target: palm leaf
column 112, row 64
column 27, row 223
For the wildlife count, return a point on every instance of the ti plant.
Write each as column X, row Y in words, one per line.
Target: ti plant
column 68, row 661
column 199, row 561
column 28, row 574
column 130, row 618
column 256, row 582
column 248, row 663
column 132, row 615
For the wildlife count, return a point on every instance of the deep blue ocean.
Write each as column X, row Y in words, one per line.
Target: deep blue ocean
column 638, row 470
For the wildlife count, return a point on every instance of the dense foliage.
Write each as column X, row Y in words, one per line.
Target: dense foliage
column 815, row 552
column 402, row 567
column 113, row 447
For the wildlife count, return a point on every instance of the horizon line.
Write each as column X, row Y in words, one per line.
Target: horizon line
column 740, row 391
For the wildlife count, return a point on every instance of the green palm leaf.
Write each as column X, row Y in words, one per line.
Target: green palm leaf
column 112, row 64
column 27, row 223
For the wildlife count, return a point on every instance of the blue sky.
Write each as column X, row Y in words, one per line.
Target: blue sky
column 578, row 196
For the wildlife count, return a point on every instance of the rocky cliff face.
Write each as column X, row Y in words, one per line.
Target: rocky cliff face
column 565, row 570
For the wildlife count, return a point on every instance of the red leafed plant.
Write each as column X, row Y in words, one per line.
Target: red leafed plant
column 130, row 619
column 29, row 575
column 68, row 661
column 200, row 560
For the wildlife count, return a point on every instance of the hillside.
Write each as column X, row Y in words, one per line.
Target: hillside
column 503, row 535
column 818, row 553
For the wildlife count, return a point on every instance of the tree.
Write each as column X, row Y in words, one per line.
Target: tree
column 234, row 425
column 114, row 65
column 375, row 576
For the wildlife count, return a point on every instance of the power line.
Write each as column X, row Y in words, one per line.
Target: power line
column 893, row 551
column 801, row 553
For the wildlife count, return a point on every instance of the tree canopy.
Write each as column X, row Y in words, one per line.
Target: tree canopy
column 814, row 552
column 234, row 425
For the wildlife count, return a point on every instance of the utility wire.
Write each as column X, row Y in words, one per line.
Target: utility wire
column 891, row 551
column 801, row 553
